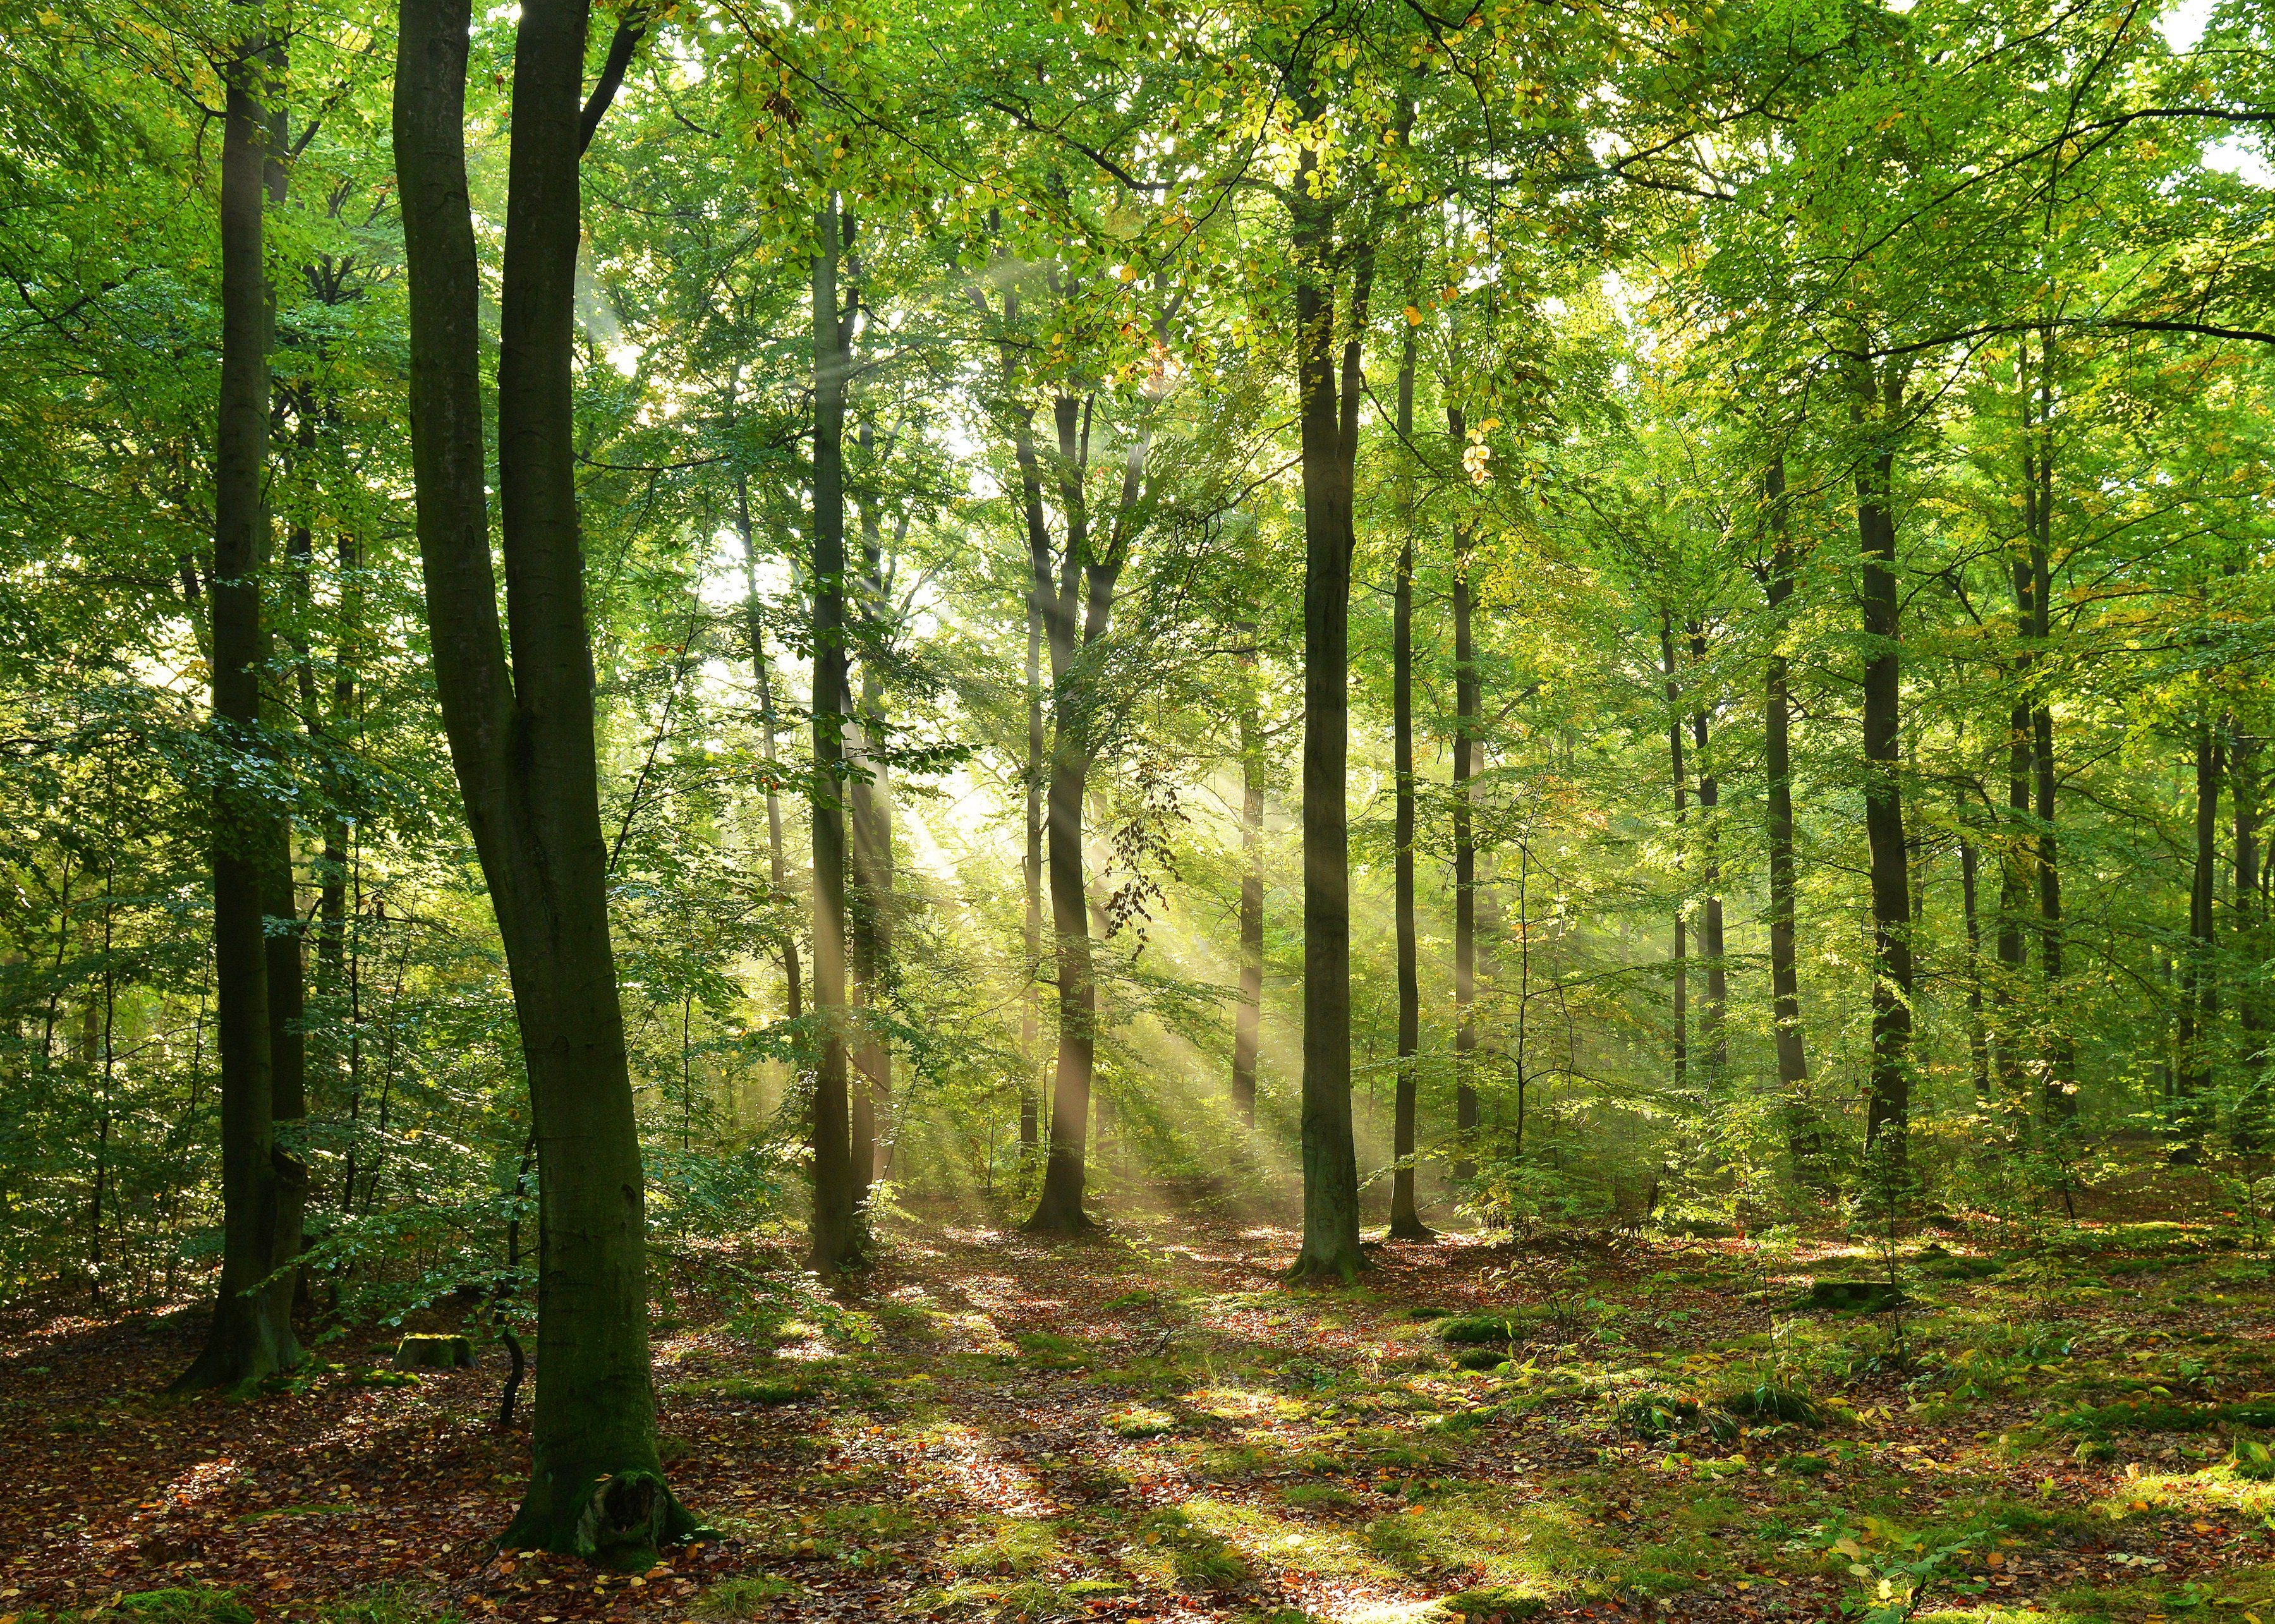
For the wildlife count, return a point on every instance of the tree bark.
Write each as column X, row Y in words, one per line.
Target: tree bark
column 251, row 1335
column 1330, row 1157
column 2199, row 979
column 834, row 1238
column 2015, row 848
column 1716, row 1022
column 870, row 826
column 1805, row 1139
column 1030, row 864
column 1465, row 847
column 1888, row 1116
column 1248, row 1014
column 1978, row 1042
column 2250, row 1126
column 1679, row 957
column 1405, row 1221
column 2061, row 1088
column 522, row 741
column 762, row 670
column 1078, row 610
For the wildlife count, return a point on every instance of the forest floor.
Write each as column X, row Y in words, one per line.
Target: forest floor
column 1149, row 1426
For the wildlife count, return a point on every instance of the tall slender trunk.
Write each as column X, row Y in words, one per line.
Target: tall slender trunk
column 251, row 1335
column 1465, row 846
column 1077, row 611
column 2016, row 848
column 2199, row 978
column 1978, row 1042
column 1889, row 1114
column 1680, row 958
column 1805, row 1139
column 754, row 628
column 1715, row 1025
column 2250, row 1126
column 1330, row 1156
column 1405, row 1222
column 2060, row 1087
column 1031, row 866
column 522, row 741
column 869, row 819
column 836, row 1239
column 1248, row 1014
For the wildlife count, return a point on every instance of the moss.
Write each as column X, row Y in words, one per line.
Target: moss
column 182, row 1606
column 1499, row 1603
column 1496, row 1325
column 745, row 1598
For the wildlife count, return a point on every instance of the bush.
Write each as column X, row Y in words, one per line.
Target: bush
column 1663, row 1415
column 1768, row 1401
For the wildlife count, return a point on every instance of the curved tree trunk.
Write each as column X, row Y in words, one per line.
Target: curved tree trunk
column 522, row 741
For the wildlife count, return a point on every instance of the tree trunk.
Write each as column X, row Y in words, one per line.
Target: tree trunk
column 1084, row 587
column 1679, row 957
column 1805, row 1139
column 763, row 670
column 1248, row 1014
column 1405, row 1222
column 2250, row 1126
column 2199, row 980
column 1030, row 864
column 2060, row 1089
column 1715, row 1026
column 1466, row 848
column 2015, row 850
column 834, row 1236
column 1889, row 1115
column 870, row 823
column 522, row 741
column 1978, row 1042
column 251, row 1335
column 1330, row 1157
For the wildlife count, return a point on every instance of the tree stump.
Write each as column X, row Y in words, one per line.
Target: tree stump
column 434, row 1353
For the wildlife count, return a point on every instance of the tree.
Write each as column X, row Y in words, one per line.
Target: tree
column 521, row 733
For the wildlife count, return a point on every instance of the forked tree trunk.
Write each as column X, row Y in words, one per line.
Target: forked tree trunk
column 1078, row 610
column 833, row 1228
column 251, row 1335
column 522, row 743
column 1330, row 1156
column 1405, row 1221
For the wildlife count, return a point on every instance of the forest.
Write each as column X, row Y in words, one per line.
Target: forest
column 1276, row 812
